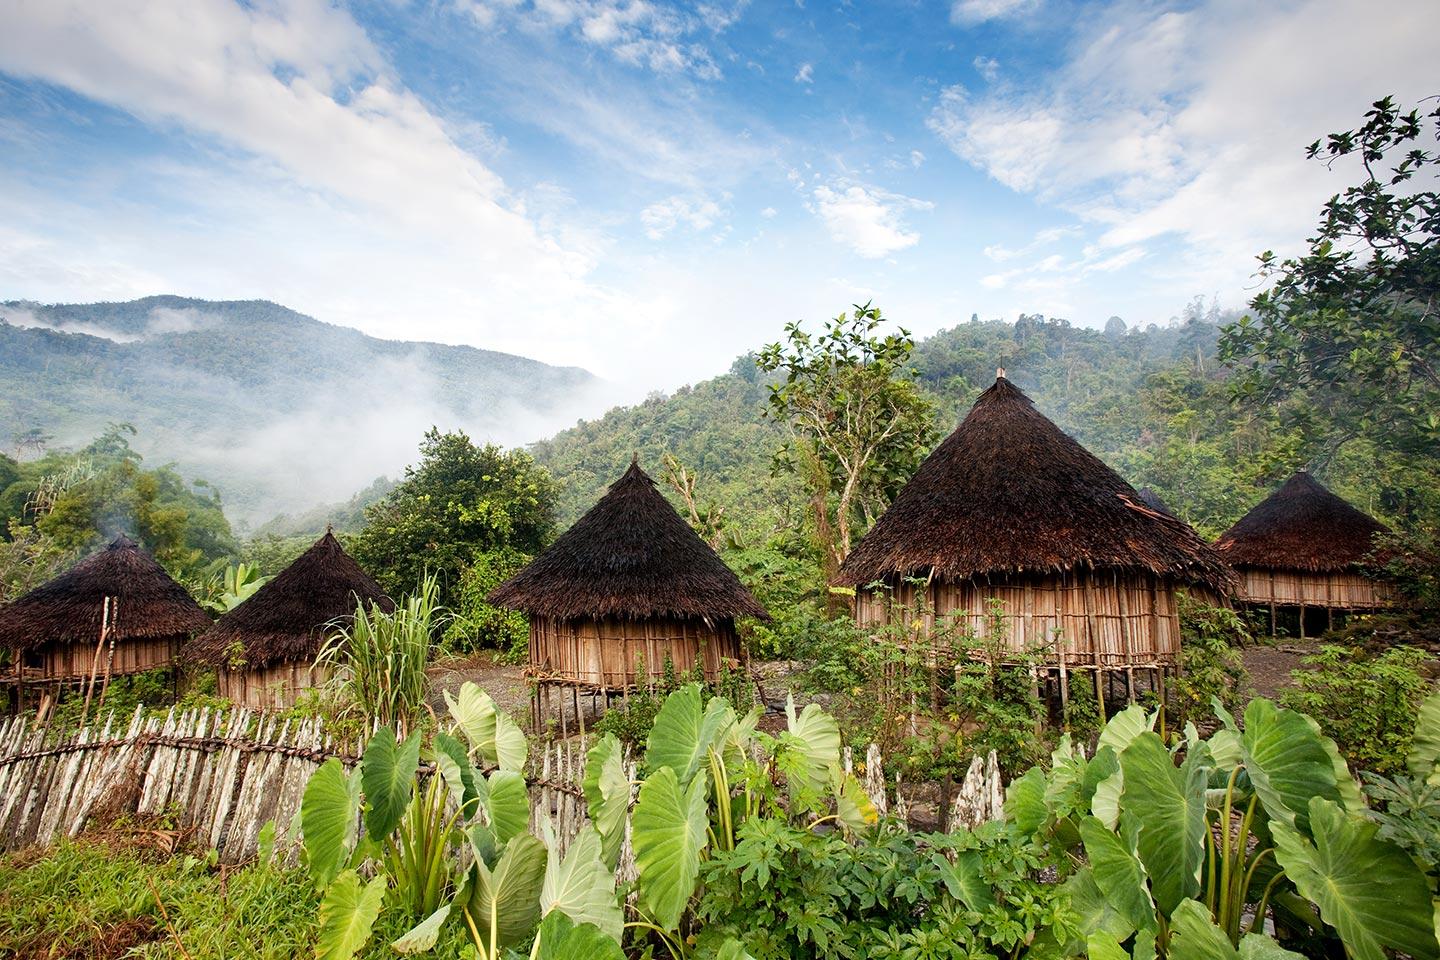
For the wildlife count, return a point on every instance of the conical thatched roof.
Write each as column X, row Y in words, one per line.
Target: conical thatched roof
column 1301, row 526
column 69, row 609
column 1010, row 492
column 631, row 556
column 288, row 619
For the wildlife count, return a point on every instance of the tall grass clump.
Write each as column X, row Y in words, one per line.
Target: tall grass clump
column 378, row 662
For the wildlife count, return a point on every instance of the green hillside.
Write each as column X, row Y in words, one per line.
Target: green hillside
column 280, row 410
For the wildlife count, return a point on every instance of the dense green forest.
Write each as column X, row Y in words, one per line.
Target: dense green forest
column 268, row 403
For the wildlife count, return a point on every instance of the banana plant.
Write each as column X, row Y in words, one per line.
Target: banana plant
column 1174, row 848
column 451, row 849
column 709, row 769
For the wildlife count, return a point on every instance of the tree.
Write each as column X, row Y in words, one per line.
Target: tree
column 458, row 502
column 857, row 420
column 1352, row 323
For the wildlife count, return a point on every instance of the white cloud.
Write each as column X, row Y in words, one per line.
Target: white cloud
column 768, row 213
column 987, row 67
column 636, row 32
column 698, row 213
column 806, row 74
column 1001, row 253
column 868, row 220
column 1193, row 124
column 979, row 11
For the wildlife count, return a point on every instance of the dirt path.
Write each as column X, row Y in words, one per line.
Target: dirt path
column 1270, row 666
column 505, row 683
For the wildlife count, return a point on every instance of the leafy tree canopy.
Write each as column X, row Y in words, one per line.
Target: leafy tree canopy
column 460, row 501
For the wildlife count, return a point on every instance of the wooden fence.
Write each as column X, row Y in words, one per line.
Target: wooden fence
column 218, row 776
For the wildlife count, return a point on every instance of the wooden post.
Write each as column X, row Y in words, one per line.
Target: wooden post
column 1100, row 693
column 1064, row 687
column 95, row 660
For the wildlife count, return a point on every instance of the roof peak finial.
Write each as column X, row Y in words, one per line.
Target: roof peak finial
column 635, row 459
column 999, row 373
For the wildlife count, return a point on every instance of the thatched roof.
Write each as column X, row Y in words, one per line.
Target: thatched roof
column 1301, row 526
column 630, row 556
column 1010, row 492
column 1154, row 501
column 70, row 608
column 289, row 618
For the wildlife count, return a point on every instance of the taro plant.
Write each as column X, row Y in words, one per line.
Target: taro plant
column 708, row 772
column 1186, row 852
column 442, row 833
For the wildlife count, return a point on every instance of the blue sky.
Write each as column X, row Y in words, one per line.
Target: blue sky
column 647, row 189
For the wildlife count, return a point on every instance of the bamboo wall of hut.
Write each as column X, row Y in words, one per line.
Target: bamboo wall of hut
column 275, row 687
column 1105, row 619
column 1332, row 590
column 68, row 662
column 605, row 653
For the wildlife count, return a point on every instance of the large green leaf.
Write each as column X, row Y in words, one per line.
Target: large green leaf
column 1097, row 914
column 1118, row 874
column 507, row 898
column 683, row 732
column 607, row 795
column 817, row 737
column 491, row 732
column 1368, row 889
column 559, row 939
column 1194, row 937
column 507, row 802
column 1025, row 801
column 732, row 949
column 1287, row 762
column 452, row 760
column 329, row 811
column 580, row 885
column 853, row 806
column 1424, row 758
column 422, row 937
column 347, row 915
column 668, row 829
column 388, row 776
column 1166, row 806
column 1100, row 946
column 963, row 880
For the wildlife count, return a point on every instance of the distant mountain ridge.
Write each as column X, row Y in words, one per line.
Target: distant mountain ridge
column 277, row 409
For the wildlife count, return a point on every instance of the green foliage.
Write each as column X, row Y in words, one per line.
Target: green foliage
column 230, row 586
column 459, row 502
column 1365, row 700
column 787, row 892
column 1350, row 324
column 858, row 423
column 1210, row 642
column 475, row 624
column 378, row 661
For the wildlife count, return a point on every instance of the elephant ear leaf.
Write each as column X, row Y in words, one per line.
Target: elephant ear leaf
column 607, row 795
column 560, row 939
column 508, row 897
column 423, row 936
column 1194, row 937
column 668, row 829
column 1166, row 806
column 1124, row 727
column 491, row 733
column 1424, row 758
column 388, row 776
column 1118, row 874
column 579, row 885
column 1025, row 801
column 329, row 811
column 507, row 802
column 347, row 915
column 816, row 737
column 1288, row 761
column 684, row 732
column 1368, row 889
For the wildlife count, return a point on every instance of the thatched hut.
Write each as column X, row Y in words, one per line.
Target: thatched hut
column 265, row 648
column 1010, row 509
column 117, row 612
column 1299, row 554
column 630, row 583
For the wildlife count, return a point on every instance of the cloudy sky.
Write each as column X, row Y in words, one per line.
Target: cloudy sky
column 647, row 189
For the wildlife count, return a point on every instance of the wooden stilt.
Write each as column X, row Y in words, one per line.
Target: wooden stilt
column 1064, row 690
column 1100, row 694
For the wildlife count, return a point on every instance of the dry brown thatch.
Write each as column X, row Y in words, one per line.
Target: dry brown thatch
column 1010, row 492
column 631, row 556
column 1301, row 526
column 1154, row 501
column 69, row 608
column 288, row 619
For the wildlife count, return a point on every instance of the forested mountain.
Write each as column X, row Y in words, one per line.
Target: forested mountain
column 279, row 410
column 1152, row 402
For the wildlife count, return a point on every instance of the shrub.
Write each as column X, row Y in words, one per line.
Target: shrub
column 476, row 624
column 1365, row 701
column 1210, row 642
